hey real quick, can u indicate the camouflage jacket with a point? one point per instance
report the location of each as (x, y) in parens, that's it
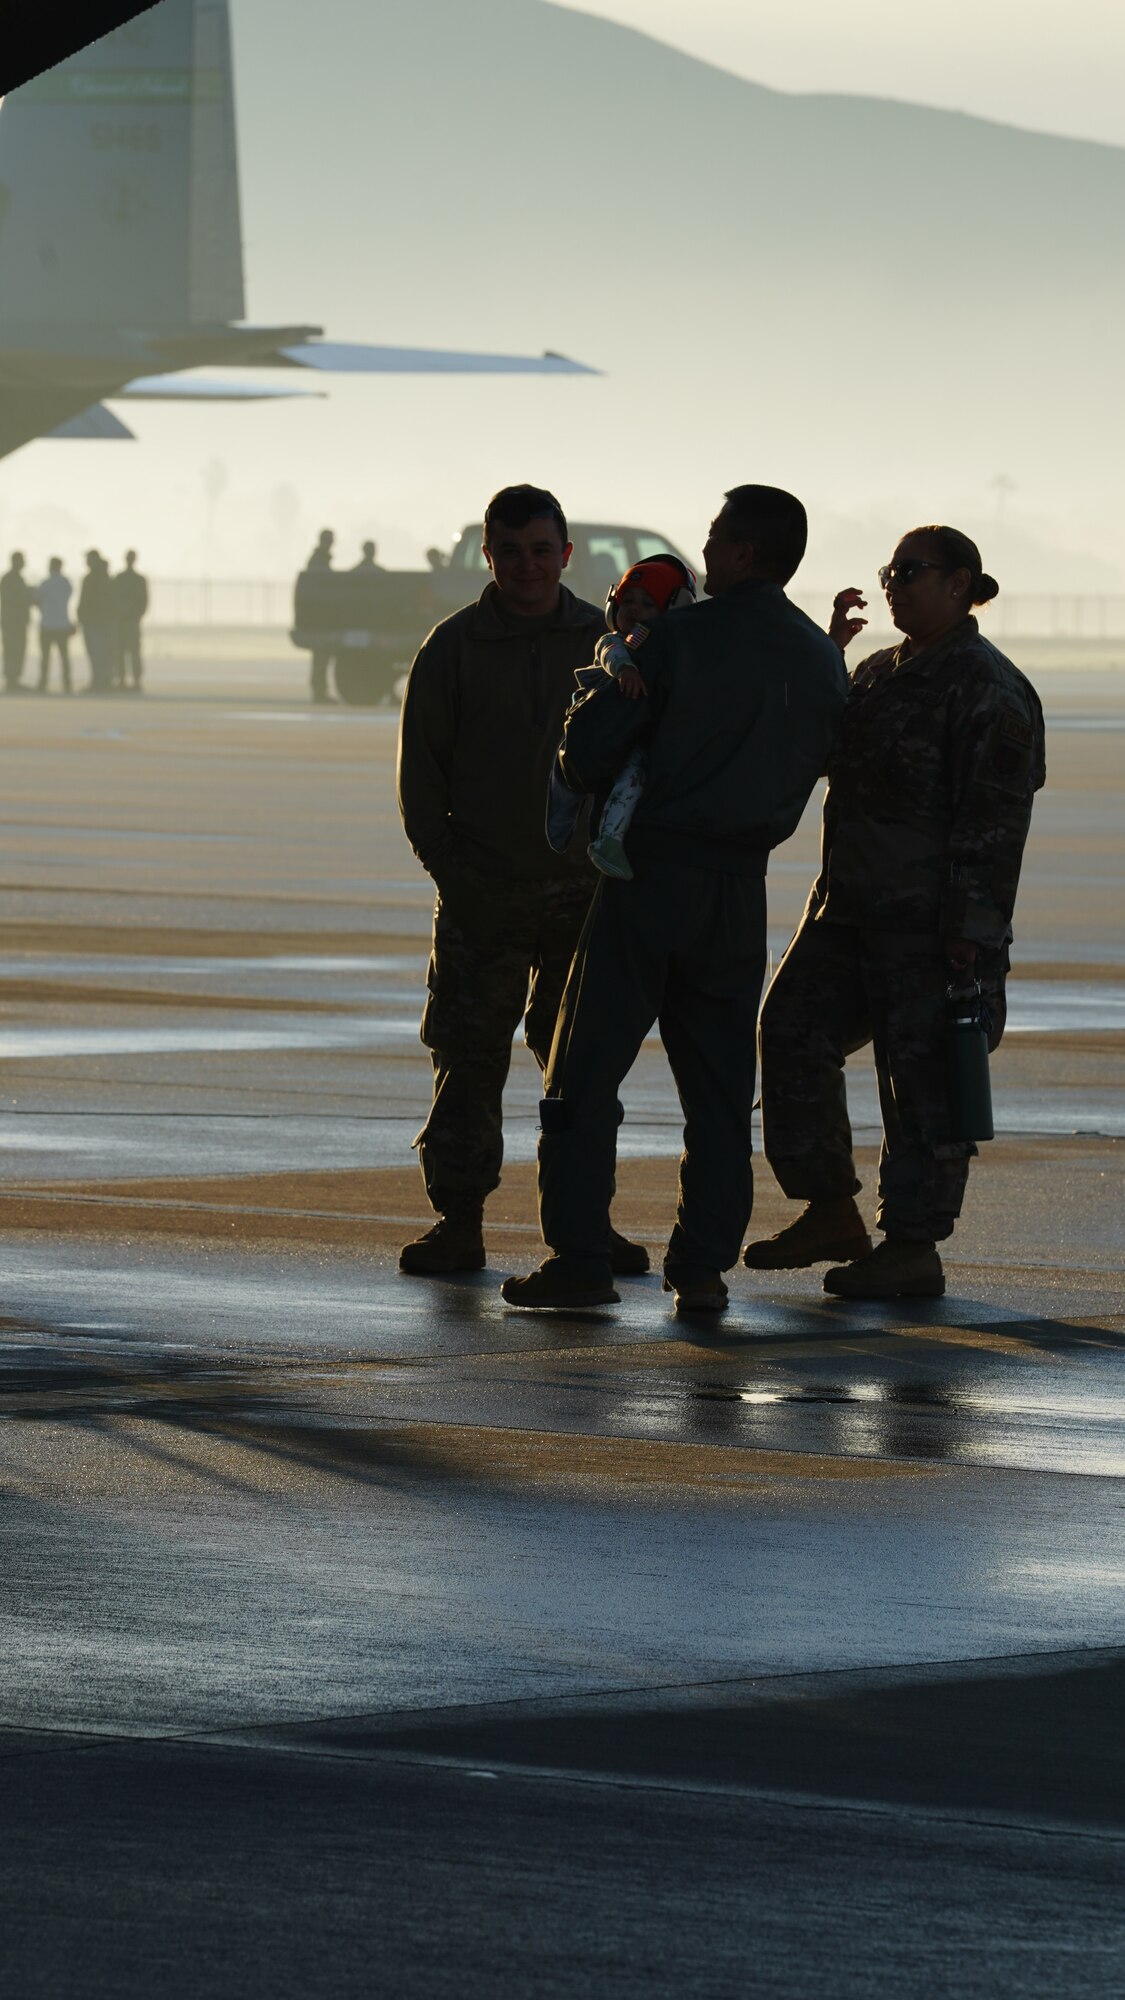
(481, 720)
(930, 788)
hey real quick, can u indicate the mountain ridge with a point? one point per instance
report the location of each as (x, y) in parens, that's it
(847, 96)
(879, 305)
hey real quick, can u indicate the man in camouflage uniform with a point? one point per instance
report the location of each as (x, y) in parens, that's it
(927, 812)
(481, 722)
(322, 656)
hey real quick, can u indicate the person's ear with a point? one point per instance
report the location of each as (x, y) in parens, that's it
(960, 583)
(567, 553)
(746, 557)
(486, 553)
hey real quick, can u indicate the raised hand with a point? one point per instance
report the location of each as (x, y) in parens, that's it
(843, 625)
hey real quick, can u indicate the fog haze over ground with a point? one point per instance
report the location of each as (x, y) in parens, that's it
(903, 313)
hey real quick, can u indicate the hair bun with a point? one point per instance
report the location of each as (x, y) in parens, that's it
(986, 590)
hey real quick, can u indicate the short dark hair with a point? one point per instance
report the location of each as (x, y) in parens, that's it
(775, 522)
(959, 551)
(515, 506)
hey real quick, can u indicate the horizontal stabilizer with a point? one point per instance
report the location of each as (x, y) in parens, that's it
(346, 358)
(96, 422)
(182, 389)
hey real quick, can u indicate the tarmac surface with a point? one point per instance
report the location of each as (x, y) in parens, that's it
(362, 1635)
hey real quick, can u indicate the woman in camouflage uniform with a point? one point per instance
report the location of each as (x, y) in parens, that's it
(927, 811)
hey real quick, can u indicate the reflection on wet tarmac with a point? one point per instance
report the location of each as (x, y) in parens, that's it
(1034, 1006)
(1057, 1006)
(74, 968)
(361, 1346)
(371, 1032)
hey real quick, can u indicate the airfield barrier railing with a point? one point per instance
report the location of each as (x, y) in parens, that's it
(180, 600)
(268, 601)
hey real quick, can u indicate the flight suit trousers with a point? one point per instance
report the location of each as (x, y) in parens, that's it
(98, 640)
(13, 644)
(501, 953)
(129, 654)
(684, 947)
(318, 674)
(54, 642)
(838, 988)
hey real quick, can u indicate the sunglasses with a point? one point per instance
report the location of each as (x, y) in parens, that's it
(906, 571)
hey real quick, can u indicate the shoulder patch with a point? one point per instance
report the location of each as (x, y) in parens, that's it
(1016, 728)
(636, 637)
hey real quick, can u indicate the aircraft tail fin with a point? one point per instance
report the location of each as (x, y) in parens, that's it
(119, 180)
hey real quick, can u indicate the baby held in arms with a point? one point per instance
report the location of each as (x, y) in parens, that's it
(651, 587)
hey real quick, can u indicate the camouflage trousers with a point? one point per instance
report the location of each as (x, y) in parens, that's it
(501, 953)
(837, 989)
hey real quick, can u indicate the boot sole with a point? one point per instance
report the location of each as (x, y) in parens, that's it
(703, 1301)
(576, 1303)
(441, 1270)
(933, 1289)
(839, 1253)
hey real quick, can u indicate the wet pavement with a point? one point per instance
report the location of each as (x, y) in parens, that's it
(587, 1653)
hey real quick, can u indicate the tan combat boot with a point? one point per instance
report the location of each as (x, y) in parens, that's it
(894, 1270)
(455, 1243)
(827, 1232)
(696, 1291)
(627, 1260)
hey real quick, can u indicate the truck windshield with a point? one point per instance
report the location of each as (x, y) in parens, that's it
(467, 552)
(655, 545)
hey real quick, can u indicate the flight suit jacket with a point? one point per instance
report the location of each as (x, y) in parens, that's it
(744, 695)
(95, 598)
(129, 596)
(930, 789)
(16, 600)
(481, 720)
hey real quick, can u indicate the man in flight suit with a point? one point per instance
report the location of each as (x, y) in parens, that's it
(16, 600)
(95, 616)
(481, 722)
(130, 602)
(743, 696)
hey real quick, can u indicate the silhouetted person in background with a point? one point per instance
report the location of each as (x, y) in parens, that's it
(367, 565)
(130, 602)
(55, 628)
(322, 658)
(95, 616)
(16, 600)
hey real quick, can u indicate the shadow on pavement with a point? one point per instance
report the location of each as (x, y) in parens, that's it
(1040, 1742)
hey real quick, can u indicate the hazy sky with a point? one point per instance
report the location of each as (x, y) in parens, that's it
(1055, 68)
(334, 234)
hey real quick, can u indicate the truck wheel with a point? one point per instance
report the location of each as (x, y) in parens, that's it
(365, 679)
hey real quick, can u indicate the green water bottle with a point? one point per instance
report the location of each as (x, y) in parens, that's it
(970, 1091)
